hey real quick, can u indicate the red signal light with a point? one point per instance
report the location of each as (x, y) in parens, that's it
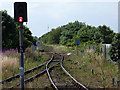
(20, 19)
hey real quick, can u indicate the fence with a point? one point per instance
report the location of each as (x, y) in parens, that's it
(103, 49)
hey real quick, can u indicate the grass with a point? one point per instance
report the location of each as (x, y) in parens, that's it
(10, 66)
(40, 82)
(10, 62)
(61, 48)
(78, 66)
(81, 67)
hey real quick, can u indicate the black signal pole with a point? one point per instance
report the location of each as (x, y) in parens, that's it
(20, 15)
(21, 56)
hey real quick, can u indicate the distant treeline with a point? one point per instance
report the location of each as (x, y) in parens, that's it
(10, 33)
(67, 34)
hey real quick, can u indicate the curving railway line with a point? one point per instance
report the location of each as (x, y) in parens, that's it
(76, 84)
(49, 68)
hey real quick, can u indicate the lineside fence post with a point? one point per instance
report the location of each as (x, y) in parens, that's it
(77, 50)
(105, 54)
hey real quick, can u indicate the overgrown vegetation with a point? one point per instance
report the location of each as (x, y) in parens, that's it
(86, 34)
(63, 35)
(79, 66)
(67, 34)
(115, 48)
(10, 66)
(91, 69)
(10, 61)
(10, 33)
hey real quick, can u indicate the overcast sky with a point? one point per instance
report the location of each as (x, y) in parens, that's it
(43, 15)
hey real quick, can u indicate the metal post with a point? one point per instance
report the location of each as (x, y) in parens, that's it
(105, 52)
(89, 47)
(38, 50)
(118, 83)
(101, 50)
(77, 50)
(113, 80)
(32, 50)
(1, 49)
(92, 71)
(21, 57)
(83, 53)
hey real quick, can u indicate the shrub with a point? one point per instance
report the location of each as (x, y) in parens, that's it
(115, 48)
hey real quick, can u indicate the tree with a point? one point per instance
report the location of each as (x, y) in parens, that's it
(35, 39)
(83, 34)
(66, 34)
(27, 37)
(106, 34)
(115, 48)
(10, 33)
(54, 37)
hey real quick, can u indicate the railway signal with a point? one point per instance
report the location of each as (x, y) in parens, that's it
(20, 10)
(20, 19)
(20, 15)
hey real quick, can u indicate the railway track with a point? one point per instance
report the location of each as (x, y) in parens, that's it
(76, 84)
(15, 79)
(33, 77)
(25, 73)
(48, 67)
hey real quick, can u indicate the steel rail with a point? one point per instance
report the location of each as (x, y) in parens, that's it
(35, 76)
(26, 72)
(49, 73)
(70, 75)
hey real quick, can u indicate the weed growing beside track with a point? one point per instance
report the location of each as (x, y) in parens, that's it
(10, 62)
(89, 68)
(92, 70)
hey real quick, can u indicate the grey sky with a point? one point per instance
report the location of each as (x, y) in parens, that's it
(54, 14)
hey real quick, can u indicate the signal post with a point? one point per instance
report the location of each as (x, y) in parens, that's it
(20, 15)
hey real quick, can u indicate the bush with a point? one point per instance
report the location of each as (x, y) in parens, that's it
(115, 48)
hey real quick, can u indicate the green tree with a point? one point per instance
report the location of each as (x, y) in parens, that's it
(27, 37)
(66, 34)
(35, 39)
(55, 36)
(106, 34)
(10, 33)
(115, 48)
